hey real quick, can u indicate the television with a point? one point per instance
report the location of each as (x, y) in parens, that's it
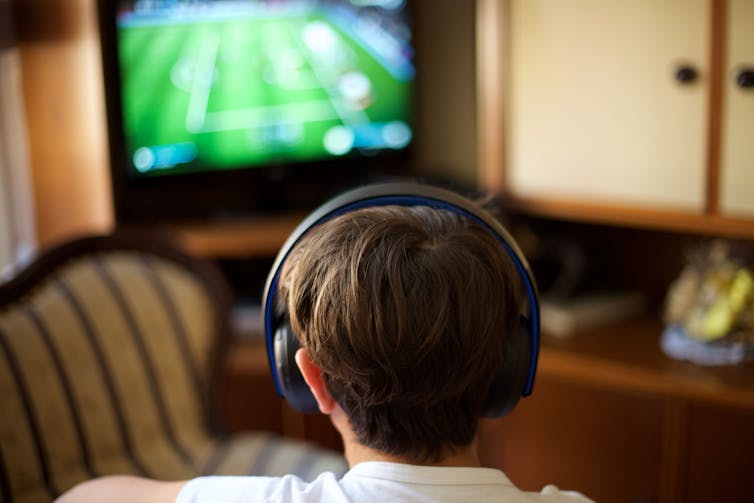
(225, 107)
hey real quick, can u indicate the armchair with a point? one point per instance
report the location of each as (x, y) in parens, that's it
(110, 348)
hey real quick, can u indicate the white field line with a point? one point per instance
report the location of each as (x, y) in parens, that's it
(203, 75)
(244, 118)
(347, 115)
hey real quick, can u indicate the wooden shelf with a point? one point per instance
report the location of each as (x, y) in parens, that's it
(252, 237)
(628, 357)
(635, 217)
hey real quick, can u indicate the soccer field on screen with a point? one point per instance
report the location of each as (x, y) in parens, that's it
(218, 94)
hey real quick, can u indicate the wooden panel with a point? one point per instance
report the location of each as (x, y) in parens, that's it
(604, 444)
(445, 135)
(319, 430)
(720, 454)
(62, 85)
(737, 173)
(250, 401)
(594, 112)
(251, 237)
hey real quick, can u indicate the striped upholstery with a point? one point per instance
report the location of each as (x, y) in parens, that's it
(105, 367)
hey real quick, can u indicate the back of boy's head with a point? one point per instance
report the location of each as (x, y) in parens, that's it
(405, 311)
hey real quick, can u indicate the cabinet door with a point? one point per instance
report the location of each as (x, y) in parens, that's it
(595, 113)
(605, 444)
(720, 454)
(737, 162)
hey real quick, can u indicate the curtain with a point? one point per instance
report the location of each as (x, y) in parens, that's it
(17, 232)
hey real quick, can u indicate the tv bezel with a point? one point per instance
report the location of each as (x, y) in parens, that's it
(226, 193)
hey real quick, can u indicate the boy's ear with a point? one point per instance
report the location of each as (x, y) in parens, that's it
(313, 378)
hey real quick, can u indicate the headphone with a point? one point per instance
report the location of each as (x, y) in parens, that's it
(513, 379)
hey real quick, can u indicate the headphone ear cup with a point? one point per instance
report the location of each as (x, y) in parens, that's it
(510, 381)
(295, 389)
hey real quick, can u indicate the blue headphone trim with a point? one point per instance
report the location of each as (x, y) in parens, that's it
(408, 201)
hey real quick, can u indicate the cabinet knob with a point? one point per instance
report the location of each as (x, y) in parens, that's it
(686, 74)
(745, 78)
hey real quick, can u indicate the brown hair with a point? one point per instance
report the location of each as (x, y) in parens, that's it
(405, 311)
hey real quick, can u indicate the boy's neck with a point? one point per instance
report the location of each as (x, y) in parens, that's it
(356, 452)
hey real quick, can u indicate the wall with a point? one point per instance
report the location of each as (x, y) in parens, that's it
(446, 121)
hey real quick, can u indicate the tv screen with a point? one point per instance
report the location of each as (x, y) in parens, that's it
(205, 86)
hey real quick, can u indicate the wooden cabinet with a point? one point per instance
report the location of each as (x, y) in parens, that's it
(249, 400)
(720, 454)
(636, 114)
(593, 109)
(622, 112)
(612, 417)
(603, 443)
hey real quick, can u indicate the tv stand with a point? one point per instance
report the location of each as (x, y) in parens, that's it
(253, 236)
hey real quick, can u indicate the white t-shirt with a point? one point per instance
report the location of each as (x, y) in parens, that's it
(373, 481)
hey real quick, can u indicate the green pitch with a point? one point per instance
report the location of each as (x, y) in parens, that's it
(250, 91)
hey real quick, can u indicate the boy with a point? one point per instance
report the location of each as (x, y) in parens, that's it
(403, 315)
